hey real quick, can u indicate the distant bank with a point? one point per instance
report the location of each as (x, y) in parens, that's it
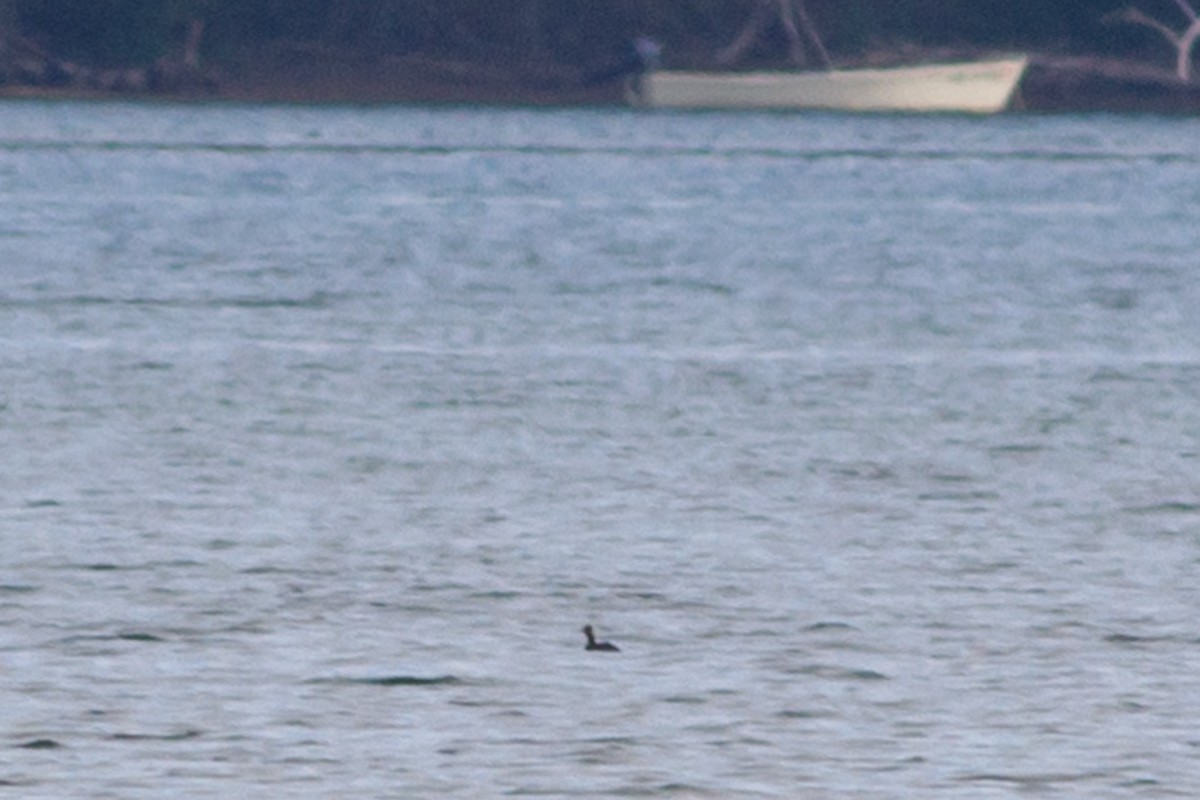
(1051, 84)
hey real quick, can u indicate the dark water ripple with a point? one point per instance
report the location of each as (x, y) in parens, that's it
(394, 680)
(889, 154)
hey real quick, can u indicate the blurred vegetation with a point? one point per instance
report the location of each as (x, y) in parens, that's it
(569, 32)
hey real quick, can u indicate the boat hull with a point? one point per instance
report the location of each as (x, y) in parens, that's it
(979, 87)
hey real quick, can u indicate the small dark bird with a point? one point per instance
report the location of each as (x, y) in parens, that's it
(592, 644)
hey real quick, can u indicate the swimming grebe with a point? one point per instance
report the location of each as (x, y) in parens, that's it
(592, 644)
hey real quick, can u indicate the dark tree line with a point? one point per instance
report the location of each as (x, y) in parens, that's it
(120, 33)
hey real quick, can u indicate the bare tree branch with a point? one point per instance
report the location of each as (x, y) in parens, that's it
(787, 16)
(191, 47)
(814, 37)
(1134, 16)
(1187, 10)
(797, 26)
(749, 32)
(1183, 59)
(1183, 42)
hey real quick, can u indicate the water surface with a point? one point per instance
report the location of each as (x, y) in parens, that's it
(871, 440)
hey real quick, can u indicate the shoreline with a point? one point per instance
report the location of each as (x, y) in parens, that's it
(1052, 84)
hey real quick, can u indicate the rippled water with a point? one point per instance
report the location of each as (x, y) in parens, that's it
(872, 441)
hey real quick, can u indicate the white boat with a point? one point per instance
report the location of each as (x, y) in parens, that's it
(978, 87)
